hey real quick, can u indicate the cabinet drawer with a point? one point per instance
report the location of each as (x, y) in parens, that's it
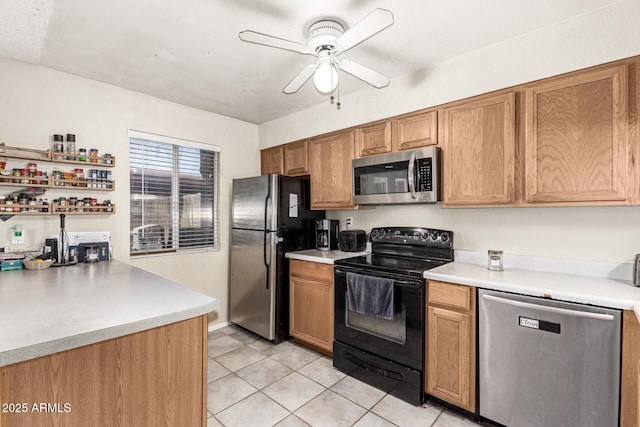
(458, 296)
(314, 270)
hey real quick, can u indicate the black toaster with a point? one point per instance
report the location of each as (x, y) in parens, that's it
(353, 240)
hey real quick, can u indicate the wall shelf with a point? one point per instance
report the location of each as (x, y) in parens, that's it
(24, 153)
(8, 181)
(39, 210)
(81, 184)
(53, 209)
(83, 210)
(106, 162)
(23, 183)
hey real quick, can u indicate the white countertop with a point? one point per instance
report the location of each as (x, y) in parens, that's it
(606, 292)
(324, 257)
(47, 311)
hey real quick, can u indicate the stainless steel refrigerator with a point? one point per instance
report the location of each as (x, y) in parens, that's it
(270, 216)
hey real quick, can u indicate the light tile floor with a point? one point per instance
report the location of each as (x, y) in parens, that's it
(253, 383)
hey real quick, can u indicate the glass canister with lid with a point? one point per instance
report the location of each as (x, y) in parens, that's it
(494, 260)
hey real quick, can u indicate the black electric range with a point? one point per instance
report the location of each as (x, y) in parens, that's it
(406, 251)
(388, 353)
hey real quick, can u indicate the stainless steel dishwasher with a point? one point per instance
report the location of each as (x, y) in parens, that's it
(548, 363)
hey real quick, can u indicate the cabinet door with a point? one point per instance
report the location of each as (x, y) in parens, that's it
(576, 138)
(450, 371)
(416, 130)
(296, 158)
(311, 311)
(479, 151)
(331, 173)
(630, 378)
(271, 160)
(373, 139)
(449, 365)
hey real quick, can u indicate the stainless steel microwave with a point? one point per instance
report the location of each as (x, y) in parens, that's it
(411, 176)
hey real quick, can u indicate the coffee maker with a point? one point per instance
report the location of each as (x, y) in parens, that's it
(327, 231)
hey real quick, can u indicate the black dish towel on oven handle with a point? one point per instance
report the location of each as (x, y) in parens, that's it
(370, 296)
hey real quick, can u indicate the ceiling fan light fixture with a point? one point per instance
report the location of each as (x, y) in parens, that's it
(327, 39)
(325, 78)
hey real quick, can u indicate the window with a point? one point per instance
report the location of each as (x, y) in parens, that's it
(174, 194)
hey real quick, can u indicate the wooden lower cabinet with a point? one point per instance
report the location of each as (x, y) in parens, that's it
(630, 387)
(311, 307)
(151, 378)
(450, 371)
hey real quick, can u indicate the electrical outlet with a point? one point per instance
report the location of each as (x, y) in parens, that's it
(349, 222)
(17, 240)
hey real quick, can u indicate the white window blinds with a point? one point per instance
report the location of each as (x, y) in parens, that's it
(173, 186)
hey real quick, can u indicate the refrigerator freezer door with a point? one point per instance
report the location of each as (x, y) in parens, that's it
(252, 291)
(254, 204)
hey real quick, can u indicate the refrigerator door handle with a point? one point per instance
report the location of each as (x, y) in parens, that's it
(267, 248)
(267, 264)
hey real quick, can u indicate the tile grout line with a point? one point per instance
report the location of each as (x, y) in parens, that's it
(270, 357)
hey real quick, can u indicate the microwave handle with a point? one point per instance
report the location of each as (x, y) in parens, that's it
(411, 175)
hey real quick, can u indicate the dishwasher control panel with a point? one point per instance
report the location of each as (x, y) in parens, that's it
(527, 322)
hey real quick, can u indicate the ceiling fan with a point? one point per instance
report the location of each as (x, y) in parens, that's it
(327, 39)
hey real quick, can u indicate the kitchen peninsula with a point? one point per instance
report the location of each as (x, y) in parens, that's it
(101, 344)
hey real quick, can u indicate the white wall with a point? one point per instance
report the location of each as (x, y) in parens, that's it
(593, 38)
(37, 102)
(604, 233)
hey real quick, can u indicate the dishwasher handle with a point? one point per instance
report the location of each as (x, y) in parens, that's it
(549, 309)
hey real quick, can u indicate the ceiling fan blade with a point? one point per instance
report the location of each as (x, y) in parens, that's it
(271, 41)
(370, 25)
(363, 73)
(300, 79)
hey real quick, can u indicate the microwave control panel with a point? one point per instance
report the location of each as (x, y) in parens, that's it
(425, 169)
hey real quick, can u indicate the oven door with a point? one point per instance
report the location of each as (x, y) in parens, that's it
(399, 339)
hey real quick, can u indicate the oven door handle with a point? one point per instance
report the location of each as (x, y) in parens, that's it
(396, 282)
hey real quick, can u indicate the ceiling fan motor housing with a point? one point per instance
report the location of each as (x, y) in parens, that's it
(323, 35)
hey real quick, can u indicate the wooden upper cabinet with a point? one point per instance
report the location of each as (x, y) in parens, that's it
(296, 158)
(479, 151)
(271, 160)
(330, 169)
(576, 138)
(373, 139)
(415, 130)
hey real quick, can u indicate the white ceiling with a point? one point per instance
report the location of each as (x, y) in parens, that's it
(189, 51)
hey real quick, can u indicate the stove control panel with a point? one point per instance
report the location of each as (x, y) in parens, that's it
(412, 236)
